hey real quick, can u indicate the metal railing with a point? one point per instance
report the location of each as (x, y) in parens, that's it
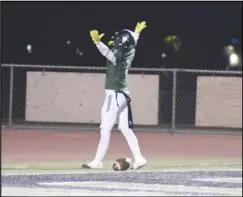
(186, 98)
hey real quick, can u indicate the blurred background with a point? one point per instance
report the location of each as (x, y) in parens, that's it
(58, 32)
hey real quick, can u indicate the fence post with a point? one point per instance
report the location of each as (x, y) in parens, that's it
(10, 110)
(173, 118)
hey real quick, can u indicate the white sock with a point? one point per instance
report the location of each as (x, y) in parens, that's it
(132, 143)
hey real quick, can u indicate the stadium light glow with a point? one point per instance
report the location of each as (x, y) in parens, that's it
(234, 59)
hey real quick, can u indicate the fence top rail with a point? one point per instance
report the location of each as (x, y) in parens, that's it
(132, 69)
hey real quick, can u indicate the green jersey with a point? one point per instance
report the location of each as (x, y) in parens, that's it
(117, 75)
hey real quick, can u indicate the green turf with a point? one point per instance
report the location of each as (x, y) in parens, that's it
(153, 164)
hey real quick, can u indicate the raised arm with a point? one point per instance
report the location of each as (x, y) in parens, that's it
(136, 33)
(104, 50)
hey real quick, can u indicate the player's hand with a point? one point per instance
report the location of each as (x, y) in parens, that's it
(96, 37)
(111, 43)
(140, 26)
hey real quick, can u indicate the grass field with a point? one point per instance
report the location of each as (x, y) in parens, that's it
(153, 164)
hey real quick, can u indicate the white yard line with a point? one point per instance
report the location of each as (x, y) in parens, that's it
(172, 189)
(7, 191)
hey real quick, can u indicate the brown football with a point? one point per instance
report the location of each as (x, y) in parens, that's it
(121, 164)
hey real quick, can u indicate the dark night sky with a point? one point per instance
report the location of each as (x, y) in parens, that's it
(204, 28)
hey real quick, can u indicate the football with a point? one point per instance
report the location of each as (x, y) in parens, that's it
(121, 164)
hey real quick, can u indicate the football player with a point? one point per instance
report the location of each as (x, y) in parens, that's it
(117, 101)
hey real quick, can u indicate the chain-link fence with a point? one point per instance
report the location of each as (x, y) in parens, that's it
(171, 100)
(208, 100)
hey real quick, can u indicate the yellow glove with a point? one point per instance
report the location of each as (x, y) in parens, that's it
(95, 36)
(140, 26)
(111, 42)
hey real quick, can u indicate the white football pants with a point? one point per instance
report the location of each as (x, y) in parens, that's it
(115, 109)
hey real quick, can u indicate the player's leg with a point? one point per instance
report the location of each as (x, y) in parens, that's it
(131, 139)
(109, 114)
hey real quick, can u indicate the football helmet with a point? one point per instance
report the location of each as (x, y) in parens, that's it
(124, 40)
